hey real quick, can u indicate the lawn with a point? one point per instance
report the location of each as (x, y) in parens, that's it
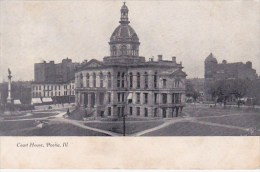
(131, 127)
(205, 112)
(6, 126)
(193, 129)
(246, 120)
(33, 115)
(53, 130)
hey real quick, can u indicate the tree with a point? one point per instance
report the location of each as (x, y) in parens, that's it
(190, 91)
(222, 90)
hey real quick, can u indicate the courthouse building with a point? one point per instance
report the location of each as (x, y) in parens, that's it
(124, 83)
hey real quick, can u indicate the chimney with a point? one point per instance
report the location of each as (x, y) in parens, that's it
(160, 58)
(174, 59)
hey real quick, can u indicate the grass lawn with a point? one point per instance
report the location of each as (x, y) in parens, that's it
(53, 130)
(246, 120)
(131, 127)
(34, 115)
(15, 125)
(193, 129)
(204, 112)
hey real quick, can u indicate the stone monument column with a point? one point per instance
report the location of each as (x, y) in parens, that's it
(9, 98)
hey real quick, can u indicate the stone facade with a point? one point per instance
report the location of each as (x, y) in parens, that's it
(125, 84)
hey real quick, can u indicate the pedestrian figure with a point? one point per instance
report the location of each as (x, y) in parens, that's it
(177, 110)
(68, 112)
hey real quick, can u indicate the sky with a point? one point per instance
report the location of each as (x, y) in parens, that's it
(32, 31)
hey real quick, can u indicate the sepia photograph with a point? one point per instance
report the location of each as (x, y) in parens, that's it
(130, 68)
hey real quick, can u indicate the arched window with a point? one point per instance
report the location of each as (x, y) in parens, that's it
(131, 80)
(133, 50)
(81, 80)
(123, 80)
(87, 80)
(109, 82)
(123, 50)
(155, 80)
(138, 80)
(94, 80)
(118, 79)
(101, 77)
(145, 80)
(113, 51)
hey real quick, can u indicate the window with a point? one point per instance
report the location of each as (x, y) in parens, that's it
(118, 80)
(87, 80)
(138, 111)
(81, 81)
(131, 110)
(101, 98)
(123, 80)
(118, 97)
(101, 79)
(138, 80)
(40, 94)
(145, 112)
(145, 98)
(109, 111)
(113, 51)
(109, 83)
(164, 97)
(137, 98)
(155, 80)
(155, 112)
(94, 80)
(155, 98)
(177, 83)
(118, 111)
(123, 97)
(145, 80)
(40, 87)
(131, 80)
(123, 50)
(109, 97)
(164, 83)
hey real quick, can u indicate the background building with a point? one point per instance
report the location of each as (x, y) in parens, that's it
(55, 81)
(124, 83)
(224, 70)
(229, 81)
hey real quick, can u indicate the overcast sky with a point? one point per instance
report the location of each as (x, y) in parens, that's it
(32, 31)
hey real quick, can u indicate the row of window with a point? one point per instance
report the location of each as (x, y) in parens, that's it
(175, 98)
(38, 94)
(52, 87)
(123, 51)
(121, 80)
(121, 111)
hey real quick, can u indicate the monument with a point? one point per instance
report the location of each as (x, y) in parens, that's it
(9, 101)
(9, 97)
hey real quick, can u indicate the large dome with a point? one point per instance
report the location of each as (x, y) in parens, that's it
(124, 40)
(124, 33)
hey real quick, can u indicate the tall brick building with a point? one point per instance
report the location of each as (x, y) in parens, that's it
(224, 70)
(51, 72)
(125, 83)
